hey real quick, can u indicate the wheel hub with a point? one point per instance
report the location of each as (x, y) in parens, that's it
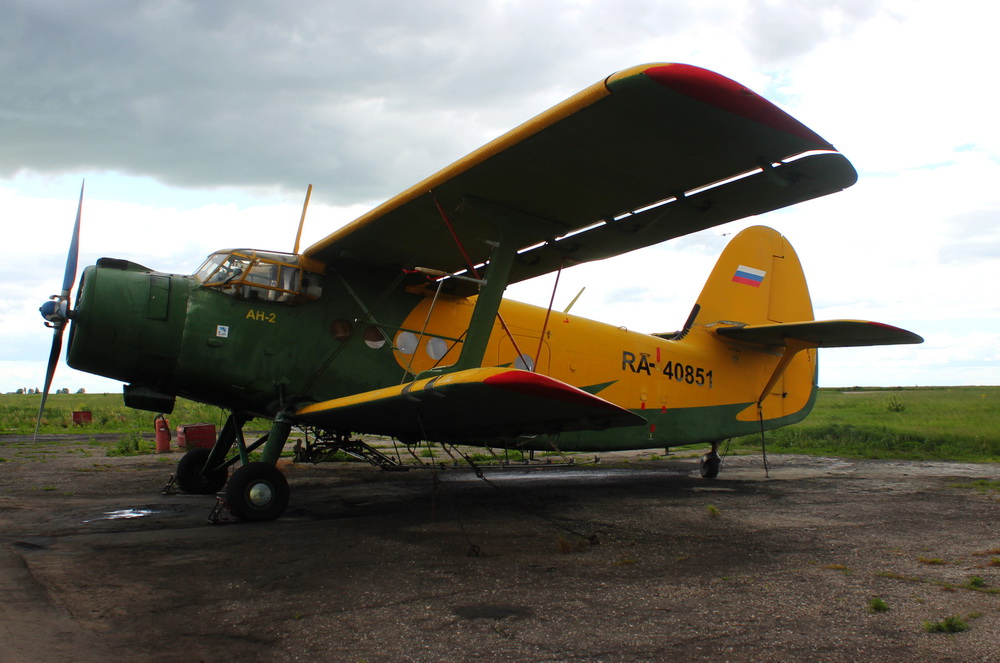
(260, 494)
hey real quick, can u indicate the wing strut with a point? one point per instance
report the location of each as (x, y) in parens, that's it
(487, 306)
(475, 274)
(509, 226)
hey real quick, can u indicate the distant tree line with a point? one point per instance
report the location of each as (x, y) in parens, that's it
(23, 390)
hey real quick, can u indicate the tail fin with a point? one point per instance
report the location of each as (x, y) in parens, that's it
(757, 299)
(757, 280)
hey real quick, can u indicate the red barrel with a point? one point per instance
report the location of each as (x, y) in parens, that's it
(191, 436)
(162, 428)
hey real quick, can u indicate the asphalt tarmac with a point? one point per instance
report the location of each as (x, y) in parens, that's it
(633, 559)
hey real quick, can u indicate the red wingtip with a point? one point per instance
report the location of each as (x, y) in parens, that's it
(542, 386)
(727, 94)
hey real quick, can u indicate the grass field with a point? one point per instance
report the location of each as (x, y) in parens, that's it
(939, 423)
(942, 423)
(108, 412)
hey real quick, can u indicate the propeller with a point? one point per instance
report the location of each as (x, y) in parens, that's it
(56, 311)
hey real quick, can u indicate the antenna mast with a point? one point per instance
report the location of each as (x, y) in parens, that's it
(302, 219)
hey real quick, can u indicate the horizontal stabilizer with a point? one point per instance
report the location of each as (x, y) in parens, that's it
(476, 404)
(822, 334)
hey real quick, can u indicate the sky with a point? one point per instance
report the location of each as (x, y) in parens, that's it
(198, 126)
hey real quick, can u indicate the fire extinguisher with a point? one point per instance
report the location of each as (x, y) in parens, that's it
(162, 427)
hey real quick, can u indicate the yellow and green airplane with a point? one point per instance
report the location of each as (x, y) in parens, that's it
(396, 324)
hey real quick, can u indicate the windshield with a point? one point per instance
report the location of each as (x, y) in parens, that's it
(249, 274)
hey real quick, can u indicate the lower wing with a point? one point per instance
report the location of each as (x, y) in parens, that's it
(475, 404)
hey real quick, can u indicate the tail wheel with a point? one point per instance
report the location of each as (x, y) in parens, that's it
(257, 491)
(710, 464)
(191, 478)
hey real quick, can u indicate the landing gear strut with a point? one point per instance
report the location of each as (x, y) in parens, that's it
(711, 462)
(259, 491)
(256, 491)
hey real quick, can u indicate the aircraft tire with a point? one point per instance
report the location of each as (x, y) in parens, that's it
(256, 492)
(189, 476)
(709, 465)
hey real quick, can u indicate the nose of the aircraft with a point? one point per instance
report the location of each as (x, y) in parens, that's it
(128, 322)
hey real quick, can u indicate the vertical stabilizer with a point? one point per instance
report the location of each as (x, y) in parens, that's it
(757, 280)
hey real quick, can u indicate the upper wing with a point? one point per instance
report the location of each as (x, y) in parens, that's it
(470, 405)
(650, 153)
(822, 334)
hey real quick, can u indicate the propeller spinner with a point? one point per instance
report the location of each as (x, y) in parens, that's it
(57, 312)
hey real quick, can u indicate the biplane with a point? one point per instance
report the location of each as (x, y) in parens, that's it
(396, 325)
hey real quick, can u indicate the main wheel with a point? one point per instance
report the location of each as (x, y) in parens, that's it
(189, 474)
(257, 491)
(709, 465)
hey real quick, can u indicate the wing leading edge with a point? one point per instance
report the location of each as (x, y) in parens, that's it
(648, 154)
(470, 405)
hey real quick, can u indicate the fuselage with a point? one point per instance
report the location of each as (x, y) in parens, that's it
(263, 351)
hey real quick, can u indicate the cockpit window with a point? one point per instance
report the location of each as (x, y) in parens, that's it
(260, 275)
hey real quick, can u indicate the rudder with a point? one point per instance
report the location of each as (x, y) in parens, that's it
(758, 279)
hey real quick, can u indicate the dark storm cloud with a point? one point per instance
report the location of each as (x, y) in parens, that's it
(357, 96)
(361, 99)
(209, 93)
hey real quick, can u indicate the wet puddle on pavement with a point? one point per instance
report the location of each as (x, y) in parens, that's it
(122, 514)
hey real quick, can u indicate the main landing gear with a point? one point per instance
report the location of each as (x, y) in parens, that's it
(193, 476)
(256, 491)
(711, 462)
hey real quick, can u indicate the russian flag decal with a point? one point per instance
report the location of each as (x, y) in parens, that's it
(749, 276)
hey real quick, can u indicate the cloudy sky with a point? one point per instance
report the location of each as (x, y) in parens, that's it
(198, 125)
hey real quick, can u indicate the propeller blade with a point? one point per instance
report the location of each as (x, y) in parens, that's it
(69, 278)
(49, 374)
(58, 313)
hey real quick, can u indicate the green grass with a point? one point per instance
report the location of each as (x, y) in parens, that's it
(877, 605)
(18, 412)
(950, 624)
(932, 423)
(131, 444)
(941, 423)
(981, 486)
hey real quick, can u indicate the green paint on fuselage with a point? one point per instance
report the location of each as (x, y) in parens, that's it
(675, 427)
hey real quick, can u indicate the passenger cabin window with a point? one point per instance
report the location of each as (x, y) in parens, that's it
(262, 276)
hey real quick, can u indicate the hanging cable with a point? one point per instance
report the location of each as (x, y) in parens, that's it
(514, 498)
(473, 549)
